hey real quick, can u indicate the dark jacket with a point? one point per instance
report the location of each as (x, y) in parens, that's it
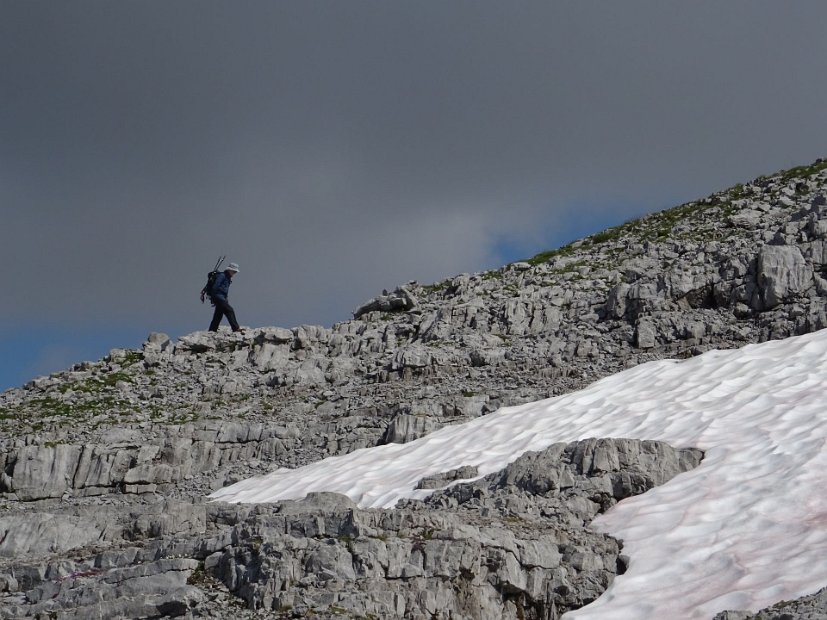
(221, 287)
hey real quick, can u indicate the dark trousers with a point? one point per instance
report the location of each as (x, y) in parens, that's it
(222, 309)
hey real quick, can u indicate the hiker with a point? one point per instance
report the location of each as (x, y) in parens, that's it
(218, 297)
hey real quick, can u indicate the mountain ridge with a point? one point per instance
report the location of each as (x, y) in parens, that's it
(178, 419)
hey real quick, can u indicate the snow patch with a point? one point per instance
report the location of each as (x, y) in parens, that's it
(745, 529)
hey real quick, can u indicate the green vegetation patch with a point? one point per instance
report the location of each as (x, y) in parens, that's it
(610, 234)
(544, 257)
(437, 287)
(95, 385)
(34, 411)
(493, 275)
(654, 227)
(737, 192)
(199, 576)
(804, 172)
(51, 407)
(131, 358)
(659, 226)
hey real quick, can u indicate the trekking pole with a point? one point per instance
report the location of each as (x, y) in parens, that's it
(218, 263)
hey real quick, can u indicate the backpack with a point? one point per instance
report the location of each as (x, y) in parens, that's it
(211, 276)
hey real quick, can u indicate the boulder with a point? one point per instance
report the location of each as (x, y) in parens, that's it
(39, 534)
(782, 273)
(645, 335)
(44, 471)
(399, 301)
(414, 356)
(157, 342)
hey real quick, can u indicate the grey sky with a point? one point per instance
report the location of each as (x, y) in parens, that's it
(337, 148)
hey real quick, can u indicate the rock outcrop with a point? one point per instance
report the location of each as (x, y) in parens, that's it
(813, 607)
(510, 545)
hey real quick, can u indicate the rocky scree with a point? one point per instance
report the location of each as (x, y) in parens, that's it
(741, 266)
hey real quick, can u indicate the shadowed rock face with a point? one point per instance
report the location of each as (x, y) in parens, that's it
(88, 447)
(510, 545)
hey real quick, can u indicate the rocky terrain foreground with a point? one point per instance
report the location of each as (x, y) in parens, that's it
(104, 468)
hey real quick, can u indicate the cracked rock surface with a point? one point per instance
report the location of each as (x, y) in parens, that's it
(510, 545)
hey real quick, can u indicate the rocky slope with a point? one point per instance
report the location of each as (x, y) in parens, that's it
(813, 607)
(174, 420)
(511, 545)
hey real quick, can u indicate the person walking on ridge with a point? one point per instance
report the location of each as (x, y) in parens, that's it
(218, 297)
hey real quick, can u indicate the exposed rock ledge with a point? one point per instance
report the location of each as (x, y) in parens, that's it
(511, 545)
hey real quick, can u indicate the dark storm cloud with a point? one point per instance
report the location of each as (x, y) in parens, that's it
(336, 148)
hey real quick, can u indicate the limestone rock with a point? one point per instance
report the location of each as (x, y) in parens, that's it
(782, 273)
(157, 341)
(406, 427)
(32, 535)
(812, 607)
(44, 471)
(645, 335)
(443, 479)
(400, 300)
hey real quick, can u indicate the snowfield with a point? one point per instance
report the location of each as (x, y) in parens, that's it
(744, 530)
